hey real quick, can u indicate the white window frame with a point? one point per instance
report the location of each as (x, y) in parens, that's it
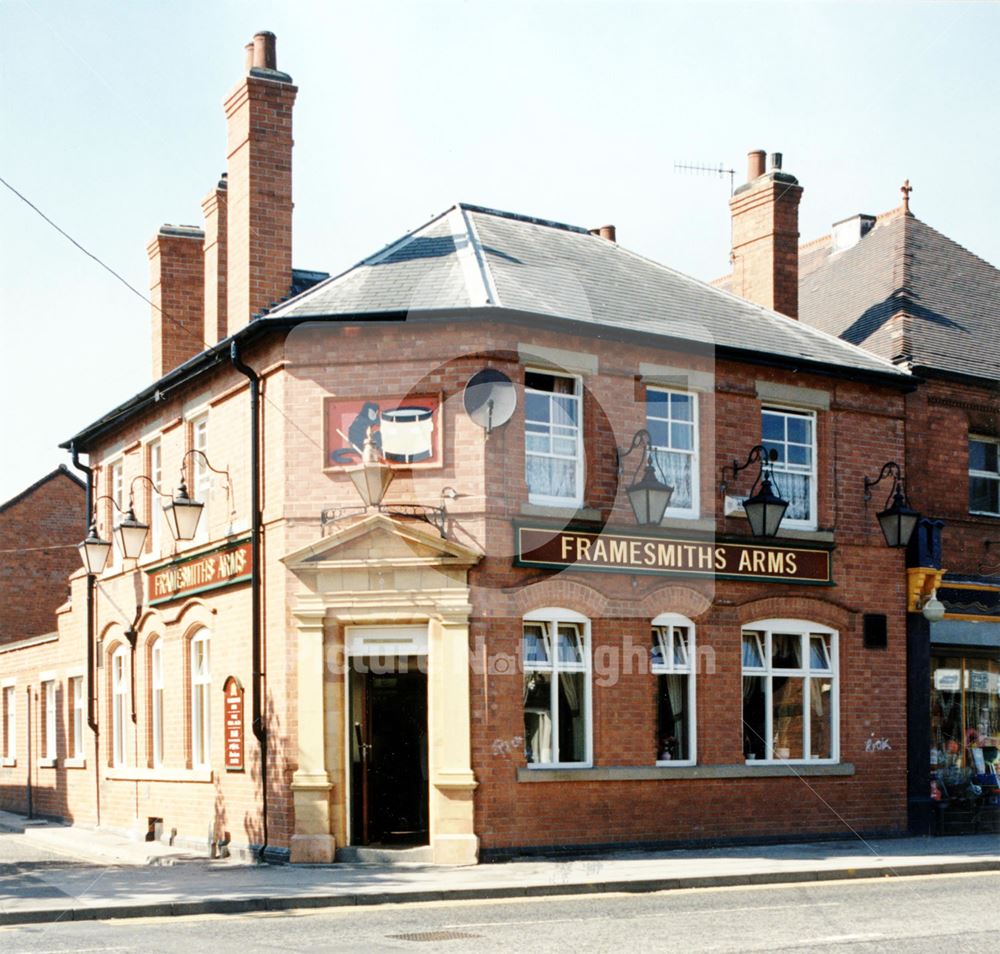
(804, 629)
(156, 701)
(201, 475)
(75, 686)
(577, 395)
(668, 622)
(120, 707)
(116, 491)
(780, 468)
(987, 474)
(48, 687)
(694, 511)
(552, 616)
(155, 505)
(9, 691)
(201, 699)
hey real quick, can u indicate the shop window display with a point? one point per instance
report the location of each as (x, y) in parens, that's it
(965, 741)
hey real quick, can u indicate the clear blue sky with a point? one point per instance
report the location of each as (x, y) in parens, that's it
(111, 121)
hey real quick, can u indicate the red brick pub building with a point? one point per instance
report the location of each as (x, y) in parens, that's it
(496, 656)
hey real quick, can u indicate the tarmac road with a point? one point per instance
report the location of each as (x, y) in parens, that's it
(954, 913)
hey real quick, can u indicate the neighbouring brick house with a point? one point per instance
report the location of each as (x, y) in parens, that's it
(39, 531)
(894, 285)
(494, 656)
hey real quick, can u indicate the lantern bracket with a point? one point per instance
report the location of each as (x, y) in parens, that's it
(890, 469)
(759, 454)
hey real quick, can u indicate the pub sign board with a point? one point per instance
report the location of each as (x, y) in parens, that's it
(406, 431)
(223, 566)
(623, 551)
(233, 690)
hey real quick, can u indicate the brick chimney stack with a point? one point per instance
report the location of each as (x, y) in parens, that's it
(259, 194)
(214, 206)
(765, 212)
(177, 290)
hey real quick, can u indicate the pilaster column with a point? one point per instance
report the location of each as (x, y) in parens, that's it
(312, 841)
(452, 822)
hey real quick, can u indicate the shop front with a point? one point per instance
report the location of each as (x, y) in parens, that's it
(965, 708)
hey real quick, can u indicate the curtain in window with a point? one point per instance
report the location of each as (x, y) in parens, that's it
(676, 687)
(675, 471)
(550, 477)
(795, 489)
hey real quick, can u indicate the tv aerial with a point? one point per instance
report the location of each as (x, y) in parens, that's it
(490, 398)
(704, 169)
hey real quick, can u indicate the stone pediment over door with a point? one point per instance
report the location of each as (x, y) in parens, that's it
(382, 559)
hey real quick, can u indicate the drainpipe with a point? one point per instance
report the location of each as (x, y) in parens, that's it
(27, 721)
(259, 726)
(91, 582)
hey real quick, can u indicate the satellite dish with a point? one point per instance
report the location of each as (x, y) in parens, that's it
(490, 398)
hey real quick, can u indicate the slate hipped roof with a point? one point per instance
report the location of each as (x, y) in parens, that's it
(470, 257)
(471, 260)
(909, 294)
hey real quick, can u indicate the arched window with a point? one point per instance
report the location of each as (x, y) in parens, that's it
(201, 691)
(120, 706)
(557, 708)
(790, 692)
(673, 667)
(156, 701)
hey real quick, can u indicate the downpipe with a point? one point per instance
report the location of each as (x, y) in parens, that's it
(257, 682)
(88, 472)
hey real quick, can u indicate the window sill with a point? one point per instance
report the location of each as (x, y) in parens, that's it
(820, 536)
(8, 763)
(47, 763)
(75, 763)
(568, 512)
(636, 773)
(687, 523)
(158, 775)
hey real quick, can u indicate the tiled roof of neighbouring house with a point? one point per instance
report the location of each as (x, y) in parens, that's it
(472, 257)
(909, 294)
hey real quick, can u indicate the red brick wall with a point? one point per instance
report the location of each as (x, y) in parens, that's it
(38, 537)
(863, 422)
(940, 417)
(766, 245)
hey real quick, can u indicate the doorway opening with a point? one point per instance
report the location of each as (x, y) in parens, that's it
(388, 748)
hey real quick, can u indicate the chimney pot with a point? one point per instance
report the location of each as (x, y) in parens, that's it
(249, 53)
(755, 164)
(265, 55)
(775, 161)
(605, 232)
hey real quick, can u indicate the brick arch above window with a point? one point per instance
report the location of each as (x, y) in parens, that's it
(798, 607)
(194, 615)
(578, 596)
(150, 624)
(111, 635)
(683, 600)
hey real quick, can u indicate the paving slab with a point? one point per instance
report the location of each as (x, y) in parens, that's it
(52, 872)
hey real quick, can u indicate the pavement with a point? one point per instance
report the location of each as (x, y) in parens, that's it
(52, 872)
